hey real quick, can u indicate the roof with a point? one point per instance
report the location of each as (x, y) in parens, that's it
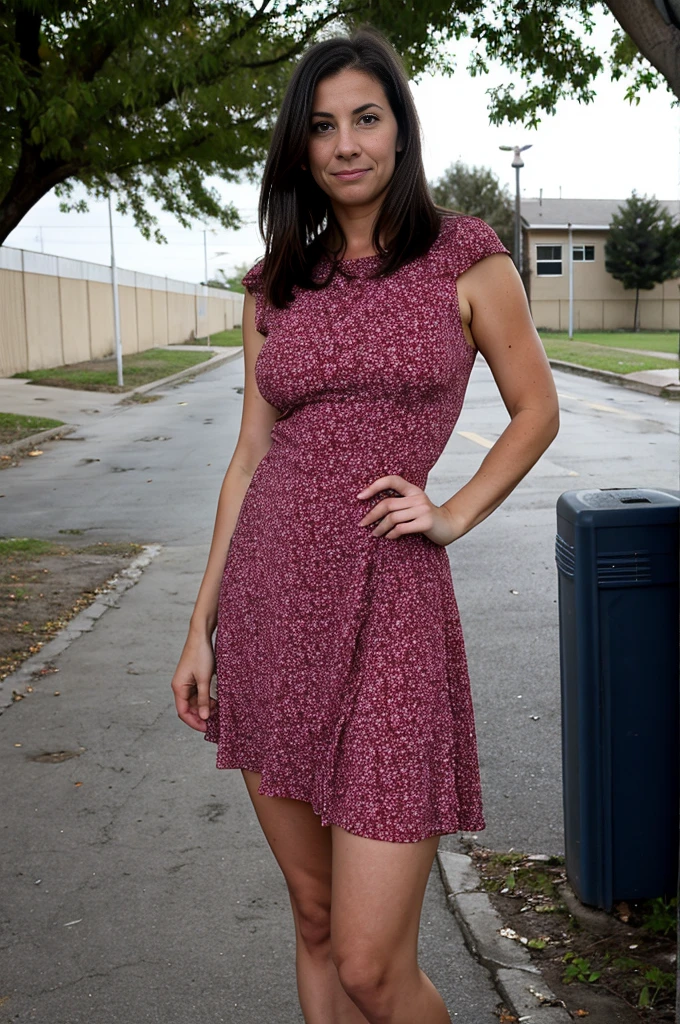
(591, 213)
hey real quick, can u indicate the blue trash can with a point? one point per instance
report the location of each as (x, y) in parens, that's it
(617, 559)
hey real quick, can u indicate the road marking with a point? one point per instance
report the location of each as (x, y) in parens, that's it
(603, 408)
(485, 443)
(477, 438)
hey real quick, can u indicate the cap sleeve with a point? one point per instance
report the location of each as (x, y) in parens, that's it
(466, 240)
(253, 283)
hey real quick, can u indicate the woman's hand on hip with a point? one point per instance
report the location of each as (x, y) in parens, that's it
(411, 513)
(191, 682)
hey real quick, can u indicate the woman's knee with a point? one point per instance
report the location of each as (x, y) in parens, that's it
(365, 977)
(312, 914)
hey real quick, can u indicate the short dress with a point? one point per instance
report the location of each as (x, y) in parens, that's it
(341, 669)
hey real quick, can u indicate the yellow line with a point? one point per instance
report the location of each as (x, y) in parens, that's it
(602, 408)
(477, 438)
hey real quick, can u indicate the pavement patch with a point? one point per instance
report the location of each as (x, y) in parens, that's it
(18, 684)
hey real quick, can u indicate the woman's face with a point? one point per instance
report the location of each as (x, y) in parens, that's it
(353, 138)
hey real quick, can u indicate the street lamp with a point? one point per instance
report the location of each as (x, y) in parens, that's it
(517, 162)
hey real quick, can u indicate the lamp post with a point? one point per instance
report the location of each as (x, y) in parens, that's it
(517, 163)
(116, 306)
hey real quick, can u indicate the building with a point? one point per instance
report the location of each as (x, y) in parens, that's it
(600, 302)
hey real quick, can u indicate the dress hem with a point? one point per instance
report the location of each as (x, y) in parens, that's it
(267, 789)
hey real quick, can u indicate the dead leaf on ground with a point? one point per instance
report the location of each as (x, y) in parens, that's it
(36, 451)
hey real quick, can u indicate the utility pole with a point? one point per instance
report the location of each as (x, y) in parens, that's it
(116, 306)
(517, 163)
(207, 294)
(571, 282)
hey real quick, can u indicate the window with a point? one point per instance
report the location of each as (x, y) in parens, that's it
(549, 260)
(584, 253)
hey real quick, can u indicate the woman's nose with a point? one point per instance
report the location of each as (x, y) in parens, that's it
(346, 143)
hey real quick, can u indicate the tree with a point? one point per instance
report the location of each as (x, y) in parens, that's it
(643, 247)
(148, 98)
(231, 282)
(477, 191)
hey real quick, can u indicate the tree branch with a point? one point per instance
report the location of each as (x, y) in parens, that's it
(657, 41)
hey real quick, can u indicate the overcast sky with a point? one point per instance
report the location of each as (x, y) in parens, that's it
(600, 151)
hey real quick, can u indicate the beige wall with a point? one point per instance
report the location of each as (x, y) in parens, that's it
(13, 342)
(65, 315)
(75, 327)
(159, 313)
(181, 317)
(43, 321)
(601, 303)
(100, 299)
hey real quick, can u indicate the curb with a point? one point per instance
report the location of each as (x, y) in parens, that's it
(518, 981)
(669, 391)
(191, 371)
(35, 439)
(81, 623)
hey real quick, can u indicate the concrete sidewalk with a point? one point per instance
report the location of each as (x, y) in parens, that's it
(76, 406)
(139, 886)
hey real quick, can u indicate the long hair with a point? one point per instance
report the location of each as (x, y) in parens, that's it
(296, 216)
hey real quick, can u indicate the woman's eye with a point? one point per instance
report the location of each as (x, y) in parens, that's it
(371, 118)
(321, 127)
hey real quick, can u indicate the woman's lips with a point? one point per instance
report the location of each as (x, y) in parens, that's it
(351, 175)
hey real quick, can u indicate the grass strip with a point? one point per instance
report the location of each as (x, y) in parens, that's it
(223, 338)
(14, 427)
(652, 341)
(598, 358)
(101, 374)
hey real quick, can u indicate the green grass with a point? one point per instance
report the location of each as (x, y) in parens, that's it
(14, 427)
(26, 547)
(599, 358)
(101, 375)
(653, 341)
(233, 337)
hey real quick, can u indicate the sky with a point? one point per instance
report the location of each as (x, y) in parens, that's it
(603, 150)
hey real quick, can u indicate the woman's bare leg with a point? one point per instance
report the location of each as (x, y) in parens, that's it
(377, 897)
(302, 848)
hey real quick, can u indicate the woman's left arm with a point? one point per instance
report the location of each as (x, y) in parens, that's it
(494, 303)
(495, 314)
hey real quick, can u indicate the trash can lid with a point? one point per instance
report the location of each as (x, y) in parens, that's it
(615, 500)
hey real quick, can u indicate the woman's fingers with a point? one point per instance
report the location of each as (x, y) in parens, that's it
(408, 520)
(392, 482)
(192, 699)
(385, 506)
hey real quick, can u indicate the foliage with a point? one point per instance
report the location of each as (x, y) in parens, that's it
(231, 282)
(149, 100)
(579, 969)
(661, 916)
(643, 246)
(477, 191)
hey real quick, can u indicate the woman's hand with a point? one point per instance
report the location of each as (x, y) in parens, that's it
(412, 513)
(191, 682)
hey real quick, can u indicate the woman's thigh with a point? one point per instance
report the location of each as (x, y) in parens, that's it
(303, 849)
(377, 897)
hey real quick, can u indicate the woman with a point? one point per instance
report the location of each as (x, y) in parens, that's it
(342, 686)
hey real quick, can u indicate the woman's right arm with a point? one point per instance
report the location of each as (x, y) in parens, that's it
(191, 681)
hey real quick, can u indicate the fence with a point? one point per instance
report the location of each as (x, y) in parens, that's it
(55, 310)
(607, 314)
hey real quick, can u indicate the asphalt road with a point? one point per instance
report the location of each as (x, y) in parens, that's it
(148, 893)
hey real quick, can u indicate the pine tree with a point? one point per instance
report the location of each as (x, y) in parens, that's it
(643, 247)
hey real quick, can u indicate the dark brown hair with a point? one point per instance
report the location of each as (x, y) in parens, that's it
(295, 214)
